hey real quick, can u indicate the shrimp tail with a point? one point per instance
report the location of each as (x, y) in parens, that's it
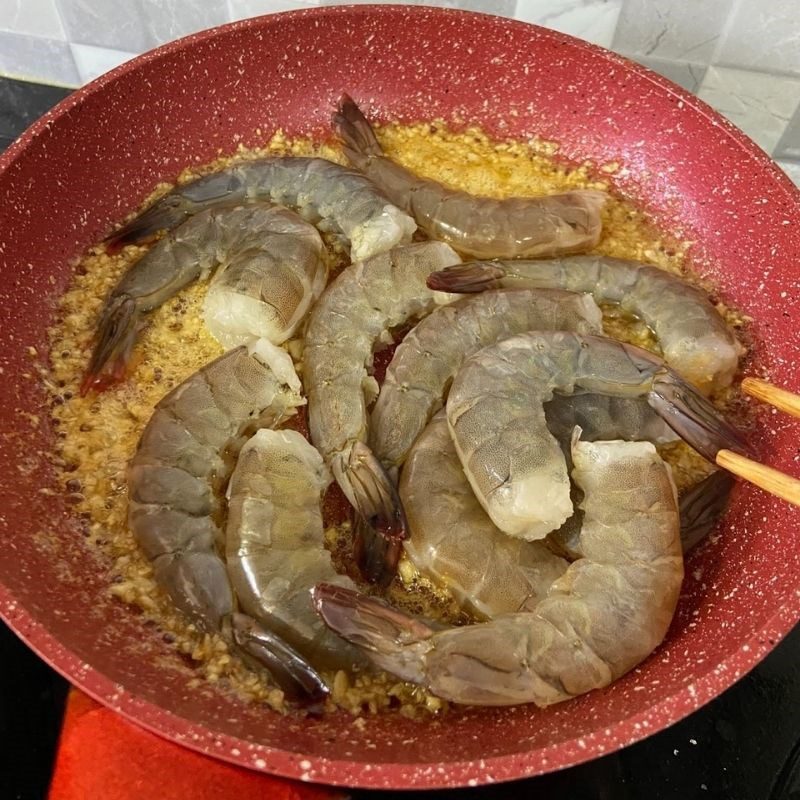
(468, 278)
(693, 417)
(116, 336)
(360, 142)
(394, 640)
(300, 682)
(380, 525)
(702, 506)
(165, 214)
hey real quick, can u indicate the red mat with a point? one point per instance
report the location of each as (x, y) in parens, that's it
(102, 755)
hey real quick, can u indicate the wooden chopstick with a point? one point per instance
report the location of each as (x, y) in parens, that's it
(767, 478)
(767, 393)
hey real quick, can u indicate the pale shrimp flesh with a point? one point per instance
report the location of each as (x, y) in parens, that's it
(605, 614)
(481, 227)
(431, 354)
(335, 198)
(176, 481)
(497, 419)
(275, 546)
(694, 338)
(355, 315)
(270, 267)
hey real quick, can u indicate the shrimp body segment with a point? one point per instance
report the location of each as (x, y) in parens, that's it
(176, 481)
(429, 357)
(270, 266)
(605, 614)
(275, 548)
(695, 340)
(481, 227)
(352, 318)
(330, 195)
(497, 419)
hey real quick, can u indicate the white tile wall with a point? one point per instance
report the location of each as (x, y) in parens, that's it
(742, 56)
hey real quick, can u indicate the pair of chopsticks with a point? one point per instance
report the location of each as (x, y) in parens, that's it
(767, 478)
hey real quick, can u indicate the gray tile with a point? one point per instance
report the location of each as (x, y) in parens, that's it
(789, 144)
(166, 20)
(763, 35)
(106, 23)
(760, 104)
(592, 20)
(241, 9)
(687, 75)
(792, 169)
(34, 17)
(671, 29)
(34, 58)
(93, 61)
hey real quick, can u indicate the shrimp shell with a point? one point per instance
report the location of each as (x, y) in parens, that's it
(275, 547)
(354, 315)
(481, 227)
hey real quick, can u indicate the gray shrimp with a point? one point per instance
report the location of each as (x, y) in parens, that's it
(270, 267)
(176, 481)
(694, 338)
(480, 227)
(606, 613)
(334, 197)
(275, 547)
(431, 354)
(355, 314)
(496, 416)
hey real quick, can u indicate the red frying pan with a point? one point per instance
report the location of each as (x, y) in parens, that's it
(98, 154)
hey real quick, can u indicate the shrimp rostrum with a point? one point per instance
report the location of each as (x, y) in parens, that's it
(607, 612)
(176, 481)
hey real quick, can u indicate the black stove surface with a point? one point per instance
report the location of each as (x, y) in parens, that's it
(745, 745)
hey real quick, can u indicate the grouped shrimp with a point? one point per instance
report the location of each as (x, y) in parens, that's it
(431, 355)
(334, 197)
(606, 612)
(227, 507)
(270, 266)
(353, 317)
(176, 481)
(475, 226)
(496, 416)
(696, 341)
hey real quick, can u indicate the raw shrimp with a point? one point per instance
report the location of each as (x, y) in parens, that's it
(496, 416)
(427, 360)
(336, 198)
(454, 543)
(605, 614)
(275, 548)
(272, 268)
(475, 226)
(695, 340)
(356, 313)
(175, 484)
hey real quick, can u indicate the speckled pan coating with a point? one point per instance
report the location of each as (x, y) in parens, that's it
(91, 160)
